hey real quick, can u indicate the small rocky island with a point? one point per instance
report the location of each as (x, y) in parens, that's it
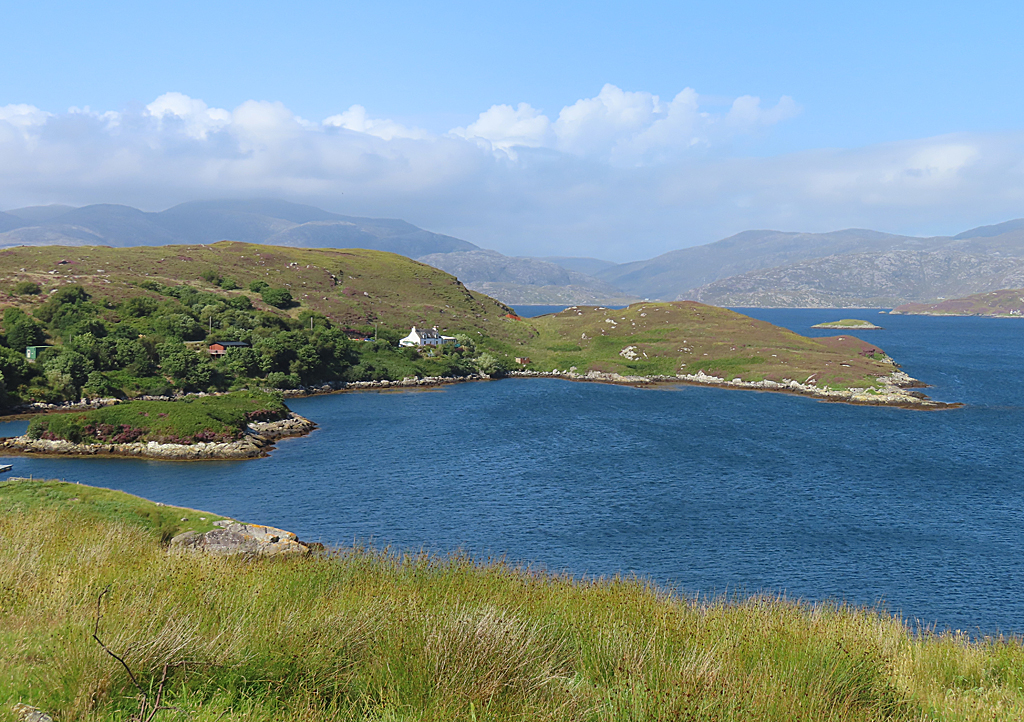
(848, 324)
(240, 425)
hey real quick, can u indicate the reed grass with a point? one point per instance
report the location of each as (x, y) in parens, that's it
(359, 634)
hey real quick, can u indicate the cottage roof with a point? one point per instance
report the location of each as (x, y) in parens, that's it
(229, 344)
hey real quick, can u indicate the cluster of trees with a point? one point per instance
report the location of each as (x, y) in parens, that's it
(156, 345)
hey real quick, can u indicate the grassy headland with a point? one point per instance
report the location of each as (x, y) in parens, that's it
(1007, 303)
(372, 636)
(686, 337)
(185, 421)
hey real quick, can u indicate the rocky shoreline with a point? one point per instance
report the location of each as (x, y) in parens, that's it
(894, 393)
(259, 436)
(258, 440)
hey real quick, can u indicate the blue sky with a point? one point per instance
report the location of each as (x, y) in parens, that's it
(860, 93)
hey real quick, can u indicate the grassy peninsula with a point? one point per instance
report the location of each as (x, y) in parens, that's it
(185, 421)
(1006, 303)
(365, 635)
(686, 337)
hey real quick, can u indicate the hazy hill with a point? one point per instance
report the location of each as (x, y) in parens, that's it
(7, 221)
(589, 266)
(280, 223)
(251, 221)
(868, 280)
(672, 274)
(525, 280)
(40, 214)
(995, 230)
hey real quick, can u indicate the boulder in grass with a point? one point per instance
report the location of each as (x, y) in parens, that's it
(235, 538)
(25, 713)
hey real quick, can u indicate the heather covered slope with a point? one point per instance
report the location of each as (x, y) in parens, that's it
(352, 287)
(687, 337)
(1006, 302)
(362, 635)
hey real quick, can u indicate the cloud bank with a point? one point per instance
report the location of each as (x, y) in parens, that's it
(621, 175)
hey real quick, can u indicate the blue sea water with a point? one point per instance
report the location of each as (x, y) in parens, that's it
(707, 490)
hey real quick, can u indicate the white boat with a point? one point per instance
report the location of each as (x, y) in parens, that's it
(4, 468)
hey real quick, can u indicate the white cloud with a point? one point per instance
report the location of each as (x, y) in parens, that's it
(622, 127)
(612, 176)
(504, 128)
(355, 119)
(22, 118)
(197, 119)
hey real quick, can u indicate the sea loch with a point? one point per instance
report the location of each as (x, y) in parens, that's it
(705, 489)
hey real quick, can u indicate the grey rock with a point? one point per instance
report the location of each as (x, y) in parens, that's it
(26, 713)
(235, 538)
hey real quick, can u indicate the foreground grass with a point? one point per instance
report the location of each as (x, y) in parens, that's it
(366, 635)
(184, 421)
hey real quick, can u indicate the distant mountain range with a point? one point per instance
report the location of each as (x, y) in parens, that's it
(256, 221)
(854, 267)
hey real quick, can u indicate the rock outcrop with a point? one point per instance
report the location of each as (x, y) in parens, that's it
(25, 713)
(258, 438)
(892, 393)
(235, 538)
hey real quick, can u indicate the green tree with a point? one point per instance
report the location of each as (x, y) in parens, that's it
(277, 297)
(487, 363)
(258, 286)
(138, 307)
(240, 303)
(187, 368)
(24, 333)
(67, 372)
(242, 362)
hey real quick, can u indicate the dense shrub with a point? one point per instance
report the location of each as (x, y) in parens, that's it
(277, 297)
(27, 288)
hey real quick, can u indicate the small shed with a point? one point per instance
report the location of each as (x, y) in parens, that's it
(32, 352)
(219, 348)
(522, 360)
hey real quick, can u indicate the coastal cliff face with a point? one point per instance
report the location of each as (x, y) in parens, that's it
(257, 441)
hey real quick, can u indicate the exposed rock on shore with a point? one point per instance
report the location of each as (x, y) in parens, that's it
(408, 382)
(235, 538)
(893, 393)
(258, 439)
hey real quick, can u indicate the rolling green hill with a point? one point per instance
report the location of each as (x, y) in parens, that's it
(118, 321)
(352, 287)
(686, 337)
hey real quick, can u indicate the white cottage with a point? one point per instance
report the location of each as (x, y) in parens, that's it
(425, 337)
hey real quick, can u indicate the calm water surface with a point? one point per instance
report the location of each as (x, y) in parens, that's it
(709, 490)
